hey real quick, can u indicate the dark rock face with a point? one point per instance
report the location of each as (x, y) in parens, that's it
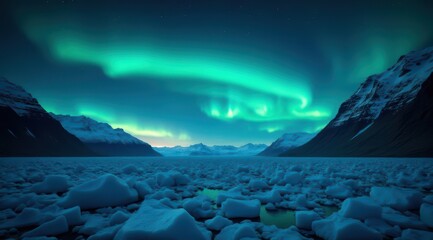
(119, 149)
(36, 135)
(390, 115)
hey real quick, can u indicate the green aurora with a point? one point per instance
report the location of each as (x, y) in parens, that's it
(240, 81)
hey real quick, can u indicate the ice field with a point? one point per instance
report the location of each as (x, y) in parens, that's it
(216, 198)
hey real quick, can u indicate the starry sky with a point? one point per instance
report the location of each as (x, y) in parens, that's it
(216, 72)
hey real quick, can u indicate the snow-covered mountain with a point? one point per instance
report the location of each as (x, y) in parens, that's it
(26, 129)
(103, 139)
(287, 141)
(20, 101)
(216, 150)
(391, 114)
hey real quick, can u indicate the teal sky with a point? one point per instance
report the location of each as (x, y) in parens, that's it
(221, 72)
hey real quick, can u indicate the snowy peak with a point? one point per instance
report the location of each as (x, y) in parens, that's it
(91, 131)
(388, 91)
(287, 141)
(216, 150)
(15, 97)
(390, 115)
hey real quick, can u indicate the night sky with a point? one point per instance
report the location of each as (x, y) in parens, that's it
(220, 72)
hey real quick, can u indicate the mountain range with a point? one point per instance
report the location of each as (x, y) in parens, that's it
(102, 139)
(287, 141)
(390, 115)
(26, 129)
(204, 150)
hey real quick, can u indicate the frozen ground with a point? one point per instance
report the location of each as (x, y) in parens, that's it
(216, 198)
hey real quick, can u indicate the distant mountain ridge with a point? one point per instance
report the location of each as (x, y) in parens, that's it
(287, 141)
(390, 115)
(217, 150)
(26, 129)
(103, 139)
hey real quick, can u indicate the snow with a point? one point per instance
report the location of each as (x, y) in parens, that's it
(54, 227)
(107, 190)
(400, 199)
(388, 91)
(52, 184)
(234, 208)
(218, 197)
(288, 141)
(91, 131)
(18, 99)
(156, 221)
(360, 208)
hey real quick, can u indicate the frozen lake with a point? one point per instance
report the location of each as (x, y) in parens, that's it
(260, 197)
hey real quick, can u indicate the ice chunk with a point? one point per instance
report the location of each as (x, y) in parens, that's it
(234, 193)
(292, 178)
(237, 232)
(399, 199)
(411, 234)
(338, 191)
(426, 214)
(94, 223)
(156, 221)
(163, 193)
(105, 191)
(360, 208)
(28, 217)
(143, 189)
(394, 217)
(72, 215)
(305, 218)
(428, 199)
(128, 169)
(118, 217)
(171, 178)
(339, 228)
(54, 227)
(234, 208)
(269, 197)
(382, 227)
(257, 184)
(106, 233)
(199, 207)
(51, 184)
(217, 223)
(290, 233)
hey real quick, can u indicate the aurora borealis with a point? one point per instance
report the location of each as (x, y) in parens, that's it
(220, 72)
